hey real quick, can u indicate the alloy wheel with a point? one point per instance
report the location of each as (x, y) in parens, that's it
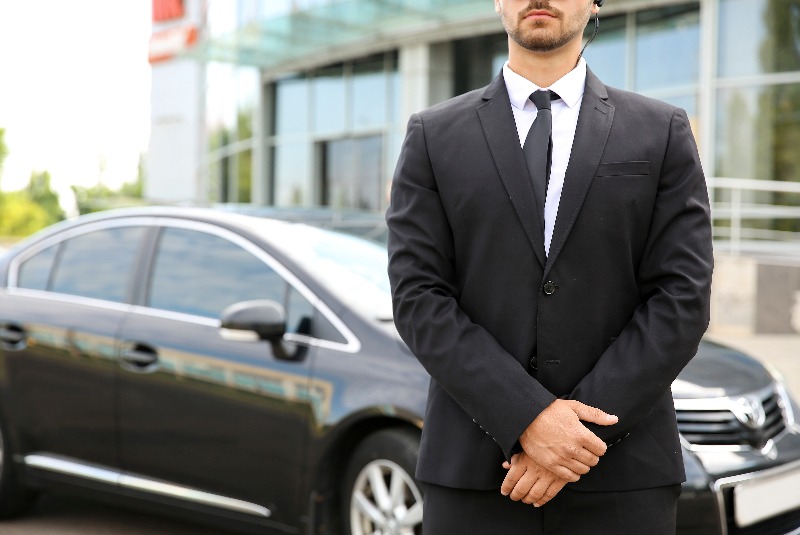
(385, 501)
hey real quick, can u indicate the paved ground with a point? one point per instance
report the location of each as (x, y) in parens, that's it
(66, 515)
(782, 351)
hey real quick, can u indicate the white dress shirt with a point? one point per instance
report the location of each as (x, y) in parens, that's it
(565, 120)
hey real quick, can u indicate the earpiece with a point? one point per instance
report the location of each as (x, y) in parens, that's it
(596, 27)
(599, 3)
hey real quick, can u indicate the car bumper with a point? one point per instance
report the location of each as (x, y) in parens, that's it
(745, 492)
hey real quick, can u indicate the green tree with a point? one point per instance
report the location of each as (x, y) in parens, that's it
(3, 149)
(40, 192)
(101, 197)
(21, 216)
(30, 209)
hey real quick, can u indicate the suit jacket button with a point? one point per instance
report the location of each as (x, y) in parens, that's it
(534, 363)
(550, 288)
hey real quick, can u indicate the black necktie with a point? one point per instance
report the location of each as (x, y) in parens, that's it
(538, 147)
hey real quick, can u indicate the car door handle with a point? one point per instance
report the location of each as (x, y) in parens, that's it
(12, 336)
(140, 357)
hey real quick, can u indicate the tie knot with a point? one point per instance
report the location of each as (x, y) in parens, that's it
(542, 99)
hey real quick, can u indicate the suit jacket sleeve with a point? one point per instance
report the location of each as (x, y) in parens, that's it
(674, 277)
(487, 382)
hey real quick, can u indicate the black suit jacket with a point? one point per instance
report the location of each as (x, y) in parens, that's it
(609, 318)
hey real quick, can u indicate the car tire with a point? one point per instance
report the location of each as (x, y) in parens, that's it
(14, 497)
(380, 493)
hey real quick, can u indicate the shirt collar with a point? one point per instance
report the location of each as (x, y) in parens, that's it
(569, 87)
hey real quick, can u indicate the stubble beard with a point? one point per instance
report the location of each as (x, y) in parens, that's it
(542, 40)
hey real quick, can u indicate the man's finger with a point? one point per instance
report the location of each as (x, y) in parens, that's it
(587, 458)
(551, 492)
(577, 467)
(562, 472)
(523, 486)
(515, 472)
(587, 413)
(537, 490)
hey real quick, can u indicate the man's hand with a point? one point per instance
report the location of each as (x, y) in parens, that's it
(526, 480)
(558, 442)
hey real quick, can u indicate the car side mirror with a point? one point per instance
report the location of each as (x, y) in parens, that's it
(260, 319)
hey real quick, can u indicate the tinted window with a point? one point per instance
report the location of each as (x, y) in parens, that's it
(353, 269)
(34, 273)
(303, 318)
(98, 264)
(202, 274)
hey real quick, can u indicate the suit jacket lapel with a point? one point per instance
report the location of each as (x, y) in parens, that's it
(500, 130)
(594, 124)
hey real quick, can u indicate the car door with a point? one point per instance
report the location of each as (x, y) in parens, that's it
(199, 412)
(59, 316)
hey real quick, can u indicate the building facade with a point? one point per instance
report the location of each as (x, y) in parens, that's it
(305, 102)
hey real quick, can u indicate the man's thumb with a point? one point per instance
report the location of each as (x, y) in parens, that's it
(588, 413)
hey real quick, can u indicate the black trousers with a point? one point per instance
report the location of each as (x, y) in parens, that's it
(451, 511)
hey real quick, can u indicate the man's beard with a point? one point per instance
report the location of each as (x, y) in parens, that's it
(545, 41)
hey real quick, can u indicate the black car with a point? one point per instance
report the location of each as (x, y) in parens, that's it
(246, 371)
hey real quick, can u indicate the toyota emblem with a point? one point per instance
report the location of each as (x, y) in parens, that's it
(750, 411)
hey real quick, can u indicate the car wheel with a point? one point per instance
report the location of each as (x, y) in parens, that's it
(381, 496)
(14, 498)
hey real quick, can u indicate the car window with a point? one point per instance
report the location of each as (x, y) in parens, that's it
(34, 273)
(303, 318)
(201, 274)
(98, 264)
(352, 268)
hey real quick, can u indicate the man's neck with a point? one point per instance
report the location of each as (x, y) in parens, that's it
(543, 68)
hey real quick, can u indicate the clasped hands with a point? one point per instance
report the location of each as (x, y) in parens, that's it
(557, 449)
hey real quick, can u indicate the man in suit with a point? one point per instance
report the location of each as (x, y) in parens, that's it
(552, 312)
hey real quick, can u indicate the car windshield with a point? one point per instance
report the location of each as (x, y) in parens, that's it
(352, 268)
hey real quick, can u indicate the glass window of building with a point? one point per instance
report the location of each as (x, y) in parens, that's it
(667, 48)
(607, 54)
(330, 131)
(351, 173)
(292, 106)
(231, 104)
(766, 40)
(653, 51)
(758, 132)
(329, 100)
(293, 179)
(478, 60)
(370, 94)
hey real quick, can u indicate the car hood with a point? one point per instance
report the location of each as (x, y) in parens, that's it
(719, 371)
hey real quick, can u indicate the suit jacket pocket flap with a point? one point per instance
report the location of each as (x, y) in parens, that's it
(623, 169)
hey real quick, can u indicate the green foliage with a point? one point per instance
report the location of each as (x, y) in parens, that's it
(40, 192)
(20, 215)
(3, 148)
(101, 197)
(30, 209)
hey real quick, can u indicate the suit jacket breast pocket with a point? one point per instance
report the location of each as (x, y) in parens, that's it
(619, 169)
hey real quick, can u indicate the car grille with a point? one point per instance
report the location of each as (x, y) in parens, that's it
(749, 420)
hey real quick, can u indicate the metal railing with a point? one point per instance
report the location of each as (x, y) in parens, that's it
(733, 216)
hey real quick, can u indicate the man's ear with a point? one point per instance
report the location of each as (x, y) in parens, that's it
(498, 6)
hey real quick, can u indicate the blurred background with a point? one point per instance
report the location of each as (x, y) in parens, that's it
(304, 103)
